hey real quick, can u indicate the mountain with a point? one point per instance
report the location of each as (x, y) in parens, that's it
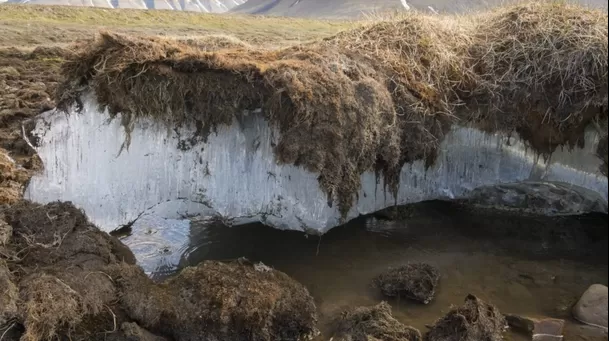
(355, 8)
(318, 8)
(206, 6)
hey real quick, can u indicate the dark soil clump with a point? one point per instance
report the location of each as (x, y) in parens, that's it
(373, 324)
(474, 321)
(222, 301)
(415, 281)
(56, 260)
(62, 278)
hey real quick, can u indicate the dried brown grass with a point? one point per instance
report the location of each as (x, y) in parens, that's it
(215, 42)
(373, 323)
(9, 294)
(476, 320)
(11, 179)
(55, 260)
(50, 305)
(220, 301)
(374, 97)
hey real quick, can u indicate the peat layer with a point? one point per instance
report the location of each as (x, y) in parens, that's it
(371, 98)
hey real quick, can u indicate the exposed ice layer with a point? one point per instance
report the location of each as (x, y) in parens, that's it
(235, 174)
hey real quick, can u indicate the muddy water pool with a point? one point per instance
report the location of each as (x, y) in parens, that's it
(527, 266)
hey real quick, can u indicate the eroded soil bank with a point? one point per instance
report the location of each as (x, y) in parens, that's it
(64, 279)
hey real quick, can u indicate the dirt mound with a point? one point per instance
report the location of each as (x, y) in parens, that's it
(375, 97)
(474, 321)
(56, 261)
(416, 281)
(62, 278)
(49, 52)
(373, 323)
(222, 301)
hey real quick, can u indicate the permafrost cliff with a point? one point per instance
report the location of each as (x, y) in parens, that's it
(494, 108)
(234, 174)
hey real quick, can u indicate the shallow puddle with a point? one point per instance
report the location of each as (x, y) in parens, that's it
(533, 267)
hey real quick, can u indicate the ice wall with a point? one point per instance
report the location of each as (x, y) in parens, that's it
(235, 176)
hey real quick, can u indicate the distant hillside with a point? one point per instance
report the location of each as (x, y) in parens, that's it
(355, 8)
(318, 8)
(206, 6)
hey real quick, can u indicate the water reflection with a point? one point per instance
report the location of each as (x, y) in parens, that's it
(532, 266)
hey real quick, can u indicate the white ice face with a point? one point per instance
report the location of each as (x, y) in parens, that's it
(234, 174)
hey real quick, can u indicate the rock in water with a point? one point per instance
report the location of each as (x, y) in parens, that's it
(221, 301)
(539, 329)
(592, 307)
(474, 321)
(371, 324)
(548, 330)
(416, 281)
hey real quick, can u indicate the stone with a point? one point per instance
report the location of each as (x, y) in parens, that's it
(592, 307)
(548, 330)
(540, 329)
(520, 323)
